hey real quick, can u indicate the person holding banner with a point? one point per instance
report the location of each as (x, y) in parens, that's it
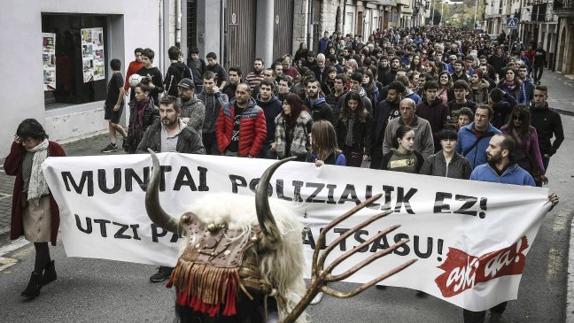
(447, 162)
(501, 168)
(324, 145)
(34, 212)
(403, 157)
(170, 134)
(292, 129)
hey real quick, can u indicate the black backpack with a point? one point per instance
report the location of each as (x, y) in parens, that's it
(176, 73)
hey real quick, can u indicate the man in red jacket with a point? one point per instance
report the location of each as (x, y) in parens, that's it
(240, 128)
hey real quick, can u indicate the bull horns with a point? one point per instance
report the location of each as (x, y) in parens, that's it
(152, 205)
(264, 215)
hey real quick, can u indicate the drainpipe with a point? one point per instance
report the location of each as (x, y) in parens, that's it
(178, 23)
(159, 57)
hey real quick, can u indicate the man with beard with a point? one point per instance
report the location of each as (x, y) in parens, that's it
(192, 109)
(170, 134)
(240, 128)
(271, 108)
(526, 82)
(459, 73)
(233, 78)
(473, 138)
(320, 109)
(390, 74)
(500, 168)
(548, 124)
(213, 100)
(385, 111)
(255, 76)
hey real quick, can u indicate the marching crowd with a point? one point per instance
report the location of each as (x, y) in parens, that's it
(429, 100)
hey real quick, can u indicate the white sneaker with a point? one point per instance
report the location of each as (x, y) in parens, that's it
(317, 299)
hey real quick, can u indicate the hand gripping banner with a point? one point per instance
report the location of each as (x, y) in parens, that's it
(470, 238)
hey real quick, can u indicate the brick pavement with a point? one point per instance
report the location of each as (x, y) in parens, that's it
(86, 147)
(561, 98)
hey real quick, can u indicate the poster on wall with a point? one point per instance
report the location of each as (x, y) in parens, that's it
(49, 60)
(93, 61)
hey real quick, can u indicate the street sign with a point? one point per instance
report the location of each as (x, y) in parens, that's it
(511, 23)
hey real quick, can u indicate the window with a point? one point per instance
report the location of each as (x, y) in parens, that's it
(71, 59)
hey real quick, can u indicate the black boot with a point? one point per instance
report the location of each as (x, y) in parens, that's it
(49, 273)
(34, 286)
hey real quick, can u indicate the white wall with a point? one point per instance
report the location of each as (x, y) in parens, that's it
(21, 61)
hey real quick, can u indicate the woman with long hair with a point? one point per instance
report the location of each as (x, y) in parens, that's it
(142, 114)
(512, 85)
(527, 152)
(445, 87)
(403, 157)
(34, 212)
(369, 83)
(416, 64)
(353, 129)
(292, 129)
(324, 148)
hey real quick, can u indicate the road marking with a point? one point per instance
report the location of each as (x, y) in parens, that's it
(554, 264)
(6, 262)
(560, 222)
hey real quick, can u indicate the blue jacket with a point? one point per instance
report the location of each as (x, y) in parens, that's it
(476, 154)
(514, 174)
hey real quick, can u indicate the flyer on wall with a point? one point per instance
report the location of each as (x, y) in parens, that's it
(93, 61)
(49, 60)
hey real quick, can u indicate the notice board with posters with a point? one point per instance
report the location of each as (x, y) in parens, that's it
(93, 61)
(49, 60)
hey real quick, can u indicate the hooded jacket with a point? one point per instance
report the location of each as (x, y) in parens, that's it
(194, 109)
(271, 109)
(475, 153)
(252, 129)
(548, 124)
(320, 110)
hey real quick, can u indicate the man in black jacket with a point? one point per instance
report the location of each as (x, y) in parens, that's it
(176, 72)
(548, 124)
(170, 134)
(152, 76)
(320, 109)
(384, 111)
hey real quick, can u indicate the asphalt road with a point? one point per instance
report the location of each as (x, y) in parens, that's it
(89, 290)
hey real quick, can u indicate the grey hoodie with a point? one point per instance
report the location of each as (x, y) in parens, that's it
(194, 109)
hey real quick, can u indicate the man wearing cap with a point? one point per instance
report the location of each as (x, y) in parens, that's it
(192, 108)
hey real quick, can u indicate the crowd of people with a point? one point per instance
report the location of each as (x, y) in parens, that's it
(429, 100)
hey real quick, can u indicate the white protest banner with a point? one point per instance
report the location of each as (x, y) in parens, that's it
(470, 238)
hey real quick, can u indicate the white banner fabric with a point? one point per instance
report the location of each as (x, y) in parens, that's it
(470, 238)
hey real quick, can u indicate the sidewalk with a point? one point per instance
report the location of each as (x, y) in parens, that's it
(85, 147)
(560, 92)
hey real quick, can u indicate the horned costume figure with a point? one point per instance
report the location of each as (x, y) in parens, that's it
(237, 254)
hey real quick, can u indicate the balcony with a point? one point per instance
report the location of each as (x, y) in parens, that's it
(564, 8)
(538, 13)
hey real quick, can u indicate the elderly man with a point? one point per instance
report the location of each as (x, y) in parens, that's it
(424, 142)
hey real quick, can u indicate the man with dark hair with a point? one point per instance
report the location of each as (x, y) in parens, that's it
(233, 78)
(218, 70)
(133, 67)
(473, 139)
(320, 109)
(502, 104)
(271, 108)
(385, 111)
(433, 110)
(334, 98)
(169, 134)
(500, 168)
(461, 89)
(526, 83)
(409, 93)
(284, 86)
(192, 109)
(548, 124)
(356, 87)
(176, 72)
(151, 74)
(459, 73)
(197, 66)
(255, 76)
(538, 63)
(114, 105)
(240, 128)
(214, 100)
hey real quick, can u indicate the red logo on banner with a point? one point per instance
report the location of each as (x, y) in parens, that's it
(463, 271)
